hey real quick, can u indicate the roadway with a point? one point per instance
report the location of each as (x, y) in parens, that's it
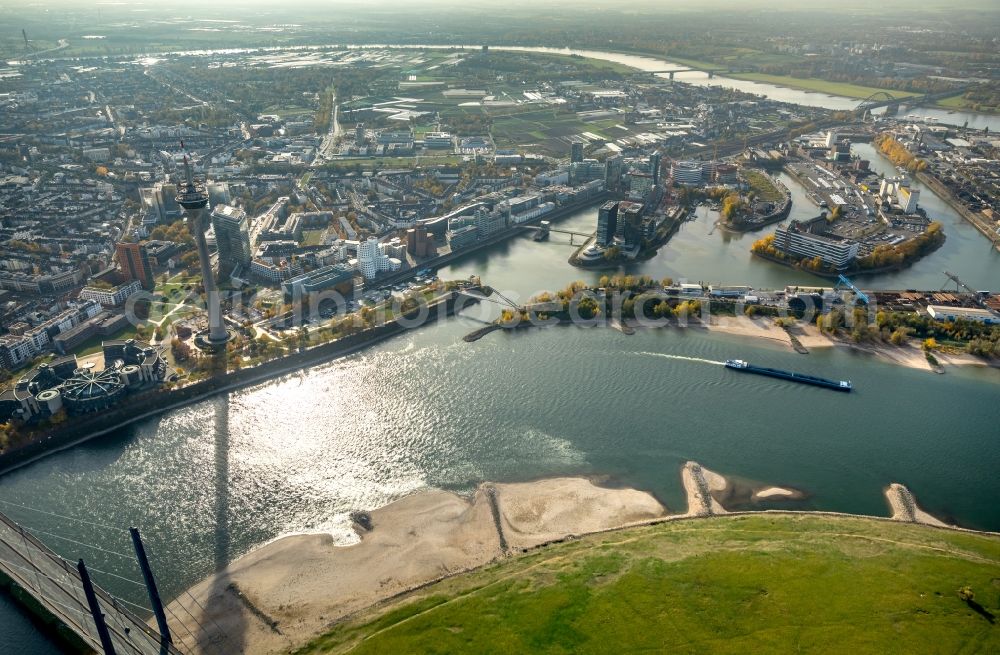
(332, 136)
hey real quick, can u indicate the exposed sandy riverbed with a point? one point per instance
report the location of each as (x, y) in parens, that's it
(303, 583)
(809, 336)
(288, 591)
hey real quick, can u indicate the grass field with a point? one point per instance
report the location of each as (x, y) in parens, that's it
(762, 185)
(819, 86)
(588, 62)
(543, 126)
(747, 584)
(960, 102)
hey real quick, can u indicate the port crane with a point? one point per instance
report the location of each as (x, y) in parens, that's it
(844, 283)
(959, 285)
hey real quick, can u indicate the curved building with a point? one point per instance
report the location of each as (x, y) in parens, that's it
(686, 172)
(92, 391)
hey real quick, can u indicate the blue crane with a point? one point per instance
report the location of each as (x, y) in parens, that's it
(844, 283)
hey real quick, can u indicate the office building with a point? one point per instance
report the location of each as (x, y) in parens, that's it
(133, 261)
(218, 193)
(576, 152)
(232, 237)
(160, 202)
(338, 277)
(489, 222)
(463, 237)
(639, 186)
(613, 167)
(654, 167)
(686, 172)
(419, 242)
(372, 259)
(629, 226)
(587, 170)
(114, 297)
(607, 223)
(798, 240)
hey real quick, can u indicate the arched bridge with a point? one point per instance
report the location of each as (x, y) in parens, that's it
(886, 99)
(878, 99)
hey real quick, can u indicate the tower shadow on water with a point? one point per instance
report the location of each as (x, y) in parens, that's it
(234, 628)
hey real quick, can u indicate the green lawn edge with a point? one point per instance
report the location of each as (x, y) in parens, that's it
(767, 583)
(819, 86)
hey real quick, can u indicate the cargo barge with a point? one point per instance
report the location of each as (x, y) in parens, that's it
(746, 367)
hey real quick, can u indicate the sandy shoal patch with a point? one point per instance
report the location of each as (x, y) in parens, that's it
(744, 326)
(538, 512)
(699, 483)
(290, 590)
(770, 493)
(904, 507)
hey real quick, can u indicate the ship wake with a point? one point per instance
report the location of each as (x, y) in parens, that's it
(683, 358)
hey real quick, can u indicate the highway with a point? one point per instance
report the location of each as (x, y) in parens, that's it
(332, 136)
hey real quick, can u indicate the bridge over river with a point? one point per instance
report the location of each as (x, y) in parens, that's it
(64, 592)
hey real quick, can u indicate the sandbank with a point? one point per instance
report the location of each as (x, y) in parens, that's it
(289, 591)
(904, 507)
(771, 493)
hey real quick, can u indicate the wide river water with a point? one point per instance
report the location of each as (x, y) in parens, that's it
(214, 480)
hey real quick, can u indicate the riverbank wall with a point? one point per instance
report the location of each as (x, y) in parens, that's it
(776, 216)
(977, 220)
(452, 257)
(79, 429)
(667, 229)
(851, 271)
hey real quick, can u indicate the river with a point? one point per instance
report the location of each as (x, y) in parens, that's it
(771, 91)
(210, 482)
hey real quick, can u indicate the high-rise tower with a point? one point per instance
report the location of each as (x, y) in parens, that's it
(133, 260)
(193, 198)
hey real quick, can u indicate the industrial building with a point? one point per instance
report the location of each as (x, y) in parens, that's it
(972, 314)
(439, 140)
